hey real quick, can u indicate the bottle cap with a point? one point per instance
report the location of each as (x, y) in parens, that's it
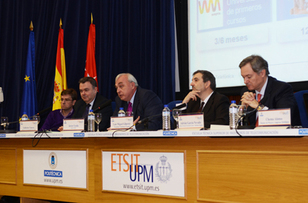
(121, 108)
(165, 105)
(91, 110)
(233, 102)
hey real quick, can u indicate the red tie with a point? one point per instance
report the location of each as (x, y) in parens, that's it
(258, 99)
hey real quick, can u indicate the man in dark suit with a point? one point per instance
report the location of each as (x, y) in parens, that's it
(265, 92)
(90, 99)
(204, 98)
(143, 103)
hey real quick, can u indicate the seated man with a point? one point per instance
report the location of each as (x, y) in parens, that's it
(90, 99)
(143, 103)
(265, 92)
(54, 120)
(204, 98)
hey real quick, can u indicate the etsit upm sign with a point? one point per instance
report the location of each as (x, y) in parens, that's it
(158, 173)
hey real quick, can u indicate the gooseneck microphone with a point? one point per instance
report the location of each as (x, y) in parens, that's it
(105, 104)
(145, 120)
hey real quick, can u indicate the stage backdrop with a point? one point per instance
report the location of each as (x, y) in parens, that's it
(135, 36)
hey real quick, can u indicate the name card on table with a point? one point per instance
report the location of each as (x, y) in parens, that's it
(28, 125)
(73, 124)
(121, 122)
(278, 117)
(191, 121)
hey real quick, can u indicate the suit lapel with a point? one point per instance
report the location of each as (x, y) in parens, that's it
(209, 103)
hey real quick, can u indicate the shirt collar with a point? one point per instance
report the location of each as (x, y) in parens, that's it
(262, 89)
(207, 99)
(132, 99)
(70, 113)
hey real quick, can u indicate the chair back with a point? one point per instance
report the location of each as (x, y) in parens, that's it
(302, 106)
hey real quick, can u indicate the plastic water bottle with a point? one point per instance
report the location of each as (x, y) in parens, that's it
(233, 116)
(91, 121)
(166, 118)
(121, 112)
(24, 117)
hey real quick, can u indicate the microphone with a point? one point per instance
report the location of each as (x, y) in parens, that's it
(180, 106)
(43, 111)
(107, 103)
(145, 120)
(1, 95)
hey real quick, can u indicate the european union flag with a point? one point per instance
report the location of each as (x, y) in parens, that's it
(29, 99)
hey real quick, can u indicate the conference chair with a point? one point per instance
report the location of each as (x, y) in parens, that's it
(302, 106)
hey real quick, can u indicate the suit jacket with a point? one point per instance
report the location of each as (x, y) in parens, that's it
(80, 107)
(216, 110)
(277, 95)
(146, 104)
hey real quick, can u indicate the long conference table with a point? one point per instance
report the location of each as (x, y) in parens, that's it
(266, 165)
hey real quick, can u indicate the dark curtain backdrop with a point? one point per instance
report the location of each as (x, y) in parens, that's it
(135, 36)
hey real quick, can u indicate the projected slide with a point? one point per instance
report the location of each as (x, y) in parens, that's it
(223, 32)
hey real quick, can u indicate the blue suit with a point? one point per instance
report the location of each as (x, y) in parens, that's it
(146, 103)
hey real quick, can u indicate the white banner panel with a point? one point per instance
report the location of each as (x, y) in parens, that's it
(65, 168)
(158, 173)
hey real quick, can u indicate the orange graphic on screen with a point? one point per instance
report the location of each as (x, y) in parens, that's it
(208, 6)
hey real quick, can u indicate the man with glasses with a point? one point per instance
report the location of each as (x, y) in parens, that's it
(54, 120)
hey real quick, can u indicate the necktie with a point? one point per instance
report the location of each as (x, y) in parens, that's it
(201, 107)
(129, 109)
(86, 112)
(258, 99)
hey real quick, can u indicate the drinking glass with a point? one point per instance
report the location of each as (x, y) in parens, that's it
(98, 119)
(242, 109)
(37, 118)
(4, 122)
(175, 114)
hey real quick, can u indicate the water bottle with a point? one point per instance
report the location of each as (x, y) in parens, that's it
(24, 117)
(233, 116)
(166, 118)
(91, 121)
(121, 112)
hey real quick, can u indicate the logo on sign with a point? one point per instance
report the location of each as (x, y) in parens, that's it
(163, 169)
(53, 160)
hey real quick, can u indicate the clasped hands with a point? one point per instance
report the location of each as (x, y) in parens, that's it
(249, 99)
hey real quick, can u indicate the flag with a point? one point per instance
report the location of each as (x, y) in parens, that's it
(60, 75)
(90, 70)
(29, 98)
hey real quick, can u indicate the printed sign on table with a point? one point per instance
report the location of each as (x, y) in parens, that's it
(158, 173)
(65, 168)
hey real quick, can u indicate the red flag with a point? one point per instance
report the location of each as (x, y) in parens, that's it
(90, 70)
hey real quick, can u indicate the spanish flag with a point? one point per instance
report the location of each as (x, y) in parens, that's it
(60, 83)
(90, 70)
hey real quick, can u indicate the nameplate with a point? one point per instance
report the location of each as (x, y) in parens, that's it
(121, 122)
(73, 124)
(278, 117)
(191, 121)
(28, 125)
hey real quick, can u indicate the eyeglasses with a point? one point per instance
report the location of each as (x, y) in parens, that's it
(66, 100)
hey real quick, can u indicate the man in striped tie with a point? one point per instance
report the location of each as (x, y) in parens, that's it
(265, 92)
(204, 98)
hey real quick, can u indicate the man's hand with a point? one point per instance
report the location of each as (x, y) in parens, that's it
(60, 128)
(249, 99)
(191, 95)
